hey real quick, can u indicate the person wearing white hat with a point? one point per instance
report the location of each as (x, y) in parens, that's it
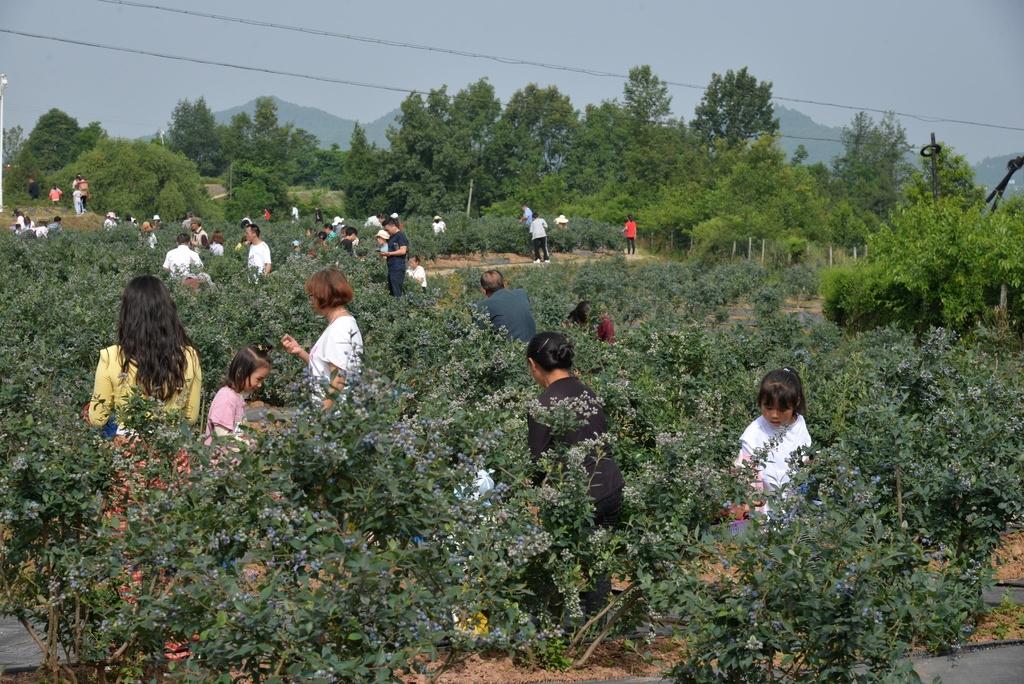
(110, 220)
(337, 221)
(561, 221)
(156, 222)
(394, 215)
(438, 225)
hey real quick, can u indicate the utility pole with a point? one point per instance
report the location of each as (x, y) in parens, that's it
(932, 151)
(469, 200)
(3, 85)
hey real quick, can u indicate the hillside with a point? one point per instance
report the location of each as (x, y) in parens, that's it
(796, 123)
(328, 128)
(990, 171)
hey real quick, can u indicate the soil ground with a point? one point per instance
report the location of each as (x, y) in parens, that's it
(501, 260)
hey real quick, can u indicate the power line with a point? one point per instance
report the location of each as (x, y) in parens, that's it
(196, 60)
(325, 79)
(524, 62)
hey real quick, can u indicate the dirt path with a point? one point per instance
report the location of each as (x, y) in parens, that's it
(505, 260)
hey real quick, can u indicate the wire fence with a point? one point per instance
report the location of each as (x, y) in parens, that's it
(768, 252)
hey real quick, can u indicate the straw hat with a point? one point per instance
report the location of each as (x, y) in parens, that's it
(383, 235)
(561, 220)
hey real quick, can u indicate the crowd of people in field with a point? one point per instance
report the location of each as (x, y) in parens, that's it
(153, 356)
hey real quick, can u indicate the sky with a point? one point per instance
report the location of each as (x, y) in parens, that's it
(955, 60)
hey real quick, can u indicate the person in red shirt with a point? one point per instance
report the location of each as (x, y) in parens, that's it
(629, 232)
(266, 214)
(55, 194)
(580, 317)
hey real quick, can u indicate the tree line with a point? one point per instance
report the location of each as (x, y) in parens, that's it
(718, 176)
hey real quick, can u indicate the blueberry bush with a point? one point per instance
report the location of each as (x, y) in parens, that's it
(351, 545)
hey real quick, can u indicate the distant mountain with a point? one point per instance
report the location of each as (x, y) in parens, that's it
(328, 128)
(800, 126)
(990, 171)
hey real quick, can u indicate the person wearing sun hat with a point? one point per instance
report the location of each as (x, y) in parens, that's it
(438, 225)
(337, 221)
(156, 222)
(561, 221)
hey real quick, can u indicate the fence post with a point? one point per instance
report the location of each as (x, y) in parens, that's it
(855, 252)
(762, 251)
(865, 250)
(830, 254)
(733, 249)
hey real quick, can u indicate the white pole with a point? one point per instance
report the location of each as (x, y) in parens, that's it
(3, 84)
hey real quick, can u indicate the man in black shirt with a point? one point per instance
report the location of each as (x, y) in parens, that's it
(398, 248)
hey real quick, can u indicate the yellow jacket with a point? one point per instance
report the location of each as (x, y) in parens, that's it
(112, 388)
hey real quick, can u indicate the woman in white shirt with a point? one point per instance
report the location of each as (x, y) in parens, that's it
(336, 355)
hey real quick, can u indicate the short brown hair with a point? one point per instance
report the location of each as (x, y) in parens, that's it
(491, 281)
(329, 289)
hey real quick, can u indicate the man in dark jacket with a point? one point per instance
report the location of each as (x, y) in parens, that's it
(508, 310)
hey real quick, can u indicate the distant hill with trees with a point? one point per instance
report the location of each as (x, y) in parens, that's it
(989, 171)
(802, 127)
(328, 128)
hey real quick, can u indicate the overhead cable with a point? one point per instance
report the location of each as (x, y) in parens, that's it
(525, 62)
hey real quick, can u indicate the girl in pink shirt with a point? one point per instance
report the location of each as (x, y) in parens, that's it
(246, 374)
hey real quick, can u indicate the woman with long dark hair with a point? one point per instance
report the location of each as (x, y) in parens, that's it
(153, 355)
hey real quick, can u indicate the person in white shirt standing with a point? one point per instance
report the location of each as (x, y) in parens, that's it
(259, 251)
(539, 233)
(295, 213)
(438, 225)
(183, 263)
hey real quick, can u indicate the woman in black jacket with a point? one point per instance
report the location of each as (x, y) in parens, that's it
(549, 356)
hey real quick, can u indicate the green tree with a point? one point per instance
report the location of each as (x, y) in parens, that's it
(138, 177)
(799, 155)
(268, 146)
(653, 141)
(255, 189)
(192, 131)
(873, 167)
(646, 96)
(302, 151)
(362, 175)
(932, 263)
(415, 164)
(56, 140)
(956, 179)
(532, 138)
(236, 138)
(595, 158)
(14, 138)
(329, 167)
(474, 114)
(735, 107)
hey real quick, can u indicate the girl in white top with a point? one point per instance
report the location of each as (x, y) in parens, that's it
(336, 355)
(778, 432)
